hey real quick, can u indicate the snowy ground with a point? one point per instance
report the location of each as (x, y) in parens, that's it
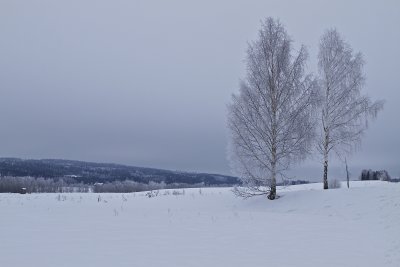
(359, 226)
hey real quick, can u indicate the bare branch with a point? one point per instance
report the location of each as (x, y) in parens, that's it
(345, 112)
(271, 120)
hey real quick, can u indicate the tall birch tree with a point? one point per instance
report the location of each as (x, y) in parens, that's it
(345, 111)
(271, 118)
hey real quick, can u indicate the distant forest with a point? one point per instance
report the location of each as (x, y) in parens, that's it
(104, 177)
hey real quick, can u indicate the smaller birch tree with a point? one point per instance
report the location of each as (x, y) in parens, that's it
(271, 118)
(345, 111)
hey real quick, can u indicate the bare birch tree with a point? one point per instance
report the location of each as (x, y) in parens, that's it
(271, 118)
(345, 111)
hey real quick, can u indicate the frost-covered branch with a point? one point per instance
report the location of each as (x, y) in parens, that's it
(345, 111)
(271, 119)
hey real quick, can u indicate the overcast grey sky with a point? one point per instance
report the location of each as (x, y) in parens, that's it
(146, 83)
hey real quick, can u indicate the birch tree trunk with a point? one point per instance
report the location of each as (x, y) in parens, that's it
(347, 174)
(326, 151)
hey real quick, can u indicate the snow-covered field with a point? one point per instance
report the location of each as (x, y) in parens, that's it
(359, 226)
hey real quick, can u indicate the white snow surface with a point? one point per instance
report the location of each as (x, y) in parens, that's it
(306, 226)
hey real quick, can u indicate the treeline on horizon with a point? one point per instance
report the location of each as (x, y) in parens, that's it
(9, 184)
(89, 173)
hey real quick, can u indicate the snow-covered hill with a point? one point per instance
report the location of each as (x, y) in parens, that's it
(359, 226)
